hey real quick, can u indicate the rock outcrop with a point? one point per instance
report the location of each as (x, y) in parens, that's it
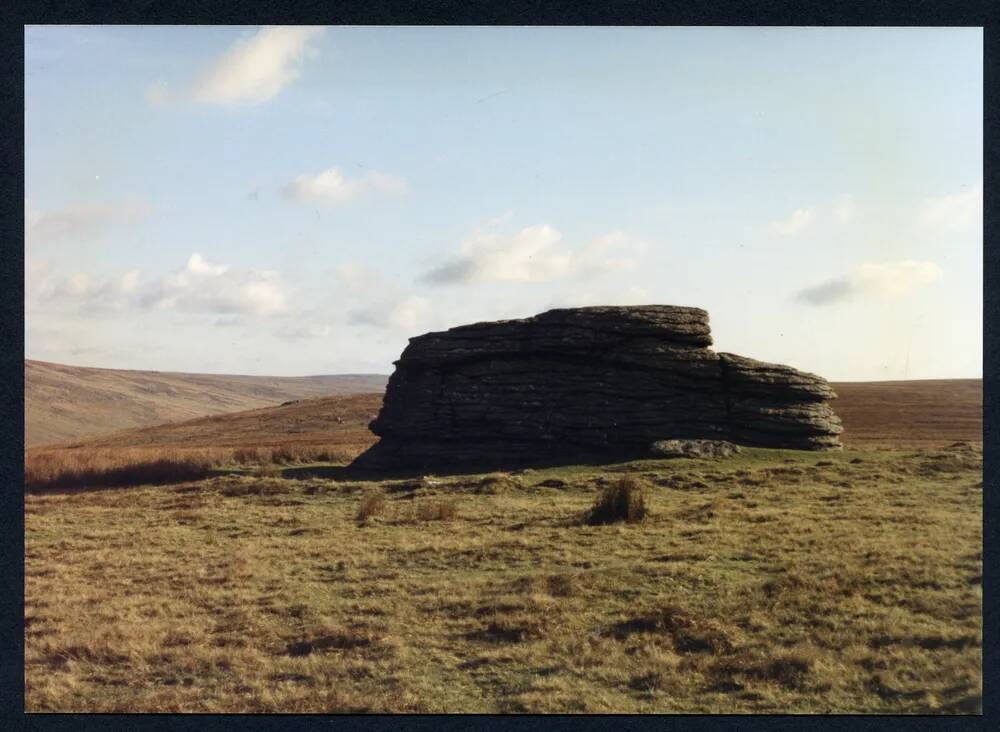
(693, 449)
(587, 383)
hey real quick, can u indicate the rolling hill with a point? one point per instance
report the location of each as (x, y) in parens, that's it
(64, 403)
(911, 414)
(918, 414)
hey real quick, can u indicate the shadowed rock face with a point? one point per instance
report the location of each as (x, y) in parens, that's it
(586, 383)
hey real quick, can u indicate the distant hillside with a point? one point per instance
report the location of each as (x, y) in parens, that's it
(921, 413)
(907, 414)
(340, 421)
(64, 403)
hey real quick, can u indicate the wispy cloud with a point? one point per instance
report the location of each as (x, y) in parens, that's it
(332, 186)
(258, 68)
(78, 290)
(956, 212)
(293, 332)
(841, 211)
(405, 312)
(845, 209)
(534, 254)
(887, 279)
(797, 222)
(204, 287)
(80, 220)
(200, 286)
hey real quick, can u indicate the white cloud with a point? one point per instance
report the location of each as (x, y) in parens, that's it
(203, 287)
(79, 221)
(78, 290)
(200, 286)
(197, 264)
(799, 220)
(254, 70)
(887, 279)
(892, 279)
(332, 186)
(534, 254)
(957, 212)
(401, 312)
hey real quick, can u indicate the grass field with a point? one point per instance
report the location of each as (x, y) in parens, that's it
(771, 582)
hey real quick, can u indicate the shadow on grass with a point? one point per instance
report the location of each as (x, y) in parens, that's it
(362, 472)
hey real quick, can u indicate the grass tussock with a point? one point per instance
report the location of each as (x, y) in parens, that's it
(437, 509)
(623, 500)
(372, 504)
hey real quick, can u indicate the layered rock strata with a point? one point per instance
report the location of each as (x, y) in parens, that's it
(587, 383)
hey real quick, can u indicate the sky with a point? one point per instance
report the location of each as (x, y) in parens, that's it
(302, 200)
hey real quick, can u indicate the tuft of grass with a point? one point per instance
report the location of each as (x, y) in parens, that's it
(623, 500)
(372, 504)
(442, 509)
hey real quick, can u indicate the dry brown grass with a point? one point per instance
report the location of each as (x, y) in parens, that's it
(117, 467)
(767, 583)
(86, 467)
(372, 504)
(623, 500)
(440, 509)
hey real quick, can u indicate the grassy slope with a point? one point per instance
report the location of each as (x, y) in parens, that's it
(70, 402)
(326, 420)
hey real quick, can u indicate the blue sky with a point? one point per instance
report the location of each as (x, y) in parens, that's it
(302, 200)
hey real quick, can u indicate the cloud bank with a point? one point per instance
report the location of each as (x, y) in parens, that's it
(200, 286)
(534, 254)
(203, 287)
(888, 279)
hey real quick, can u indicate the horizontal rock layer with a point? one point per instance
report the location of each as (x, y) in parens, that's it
(586, 383)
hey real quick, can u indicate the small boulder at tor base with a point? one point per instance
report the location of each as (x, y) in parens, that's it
(587, 384)
(693, 449)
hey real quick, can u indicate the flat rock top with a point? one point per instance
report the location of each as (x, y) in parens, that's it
(667, 318)
(568, 327)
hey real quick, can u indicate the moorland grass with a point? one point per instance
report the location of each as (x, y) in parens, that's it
(776, 581)
(92, 467)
